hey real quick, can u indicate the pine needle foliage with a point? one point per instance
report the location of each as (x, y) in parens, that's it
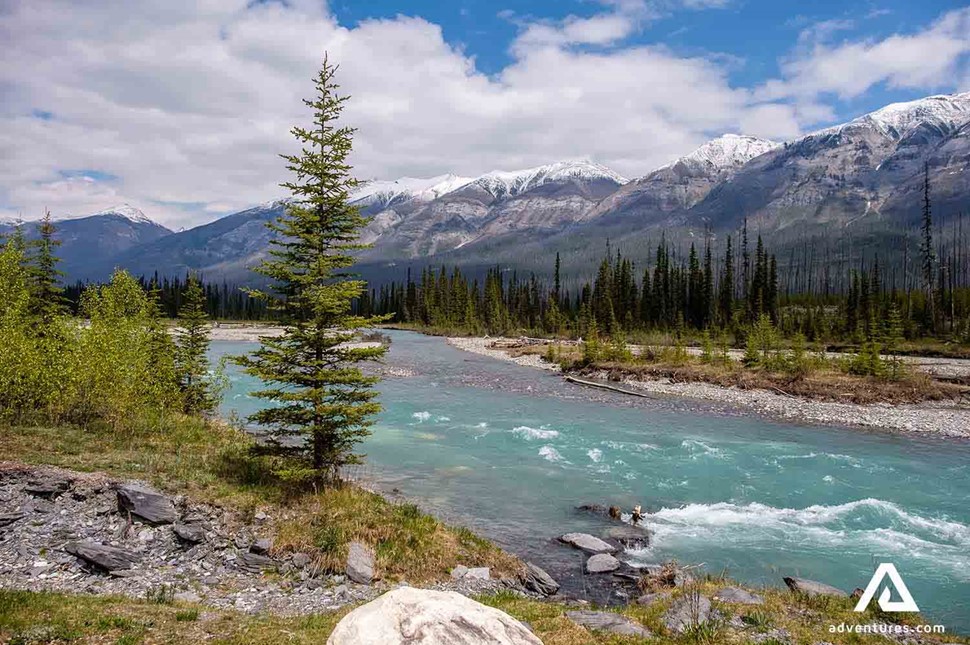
(191, 356)
(323, 403)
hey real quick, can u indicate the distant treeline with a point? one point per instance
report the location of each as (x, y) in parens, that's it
(711, 289)
(223, 301)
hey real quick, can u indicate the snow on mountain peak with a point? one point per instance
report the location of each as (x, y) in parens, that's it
(506, 183)
(727, 152)
(424, 189)
(127, 211)
(948, 111)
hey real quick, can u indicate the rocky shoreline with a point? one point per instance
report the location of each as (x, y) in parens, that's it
(926, 418)
(75, 532)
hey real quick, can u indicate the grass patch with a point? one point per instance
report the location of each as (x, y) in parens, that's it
(212, 463)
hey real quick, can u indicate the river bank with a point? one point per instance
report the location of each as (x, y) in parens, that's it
(944, 419)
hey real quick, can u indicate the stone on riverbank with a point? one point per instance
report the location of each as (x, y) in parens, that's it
(146, 504)
(103, 556)
(49, 488)
(420, 616)
(605, 621)
(738, 596)
(537, 580)
(256, 563)
(360, 563)
(690, 610)
(189, 533)
(602, 563)
(588, 543)
(813, 588)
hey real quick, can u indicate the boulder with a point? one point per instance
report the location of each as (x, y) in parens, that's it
(602, 563)
(587, 543)
(360, 563)
(190, 533)
(689, 610)
(425, 617)
(478, 573)
(537, 580)
(256, 563)
(631, 537)
(813, 588)
(103, 556)
(261, 546)
(459, 572)
(146, 504)
(738, 596)
(605, 621)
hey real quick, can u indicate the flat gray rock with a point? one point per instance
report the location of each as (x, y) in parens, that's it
(587, 543)
(813, 588)
(256, 563)
(478, 573)
(687, 611)
(360, 563)
(606, 621)
(459, 572)
(738, 596)
(537, 580)
(103, 556)
(48, 488)
(261, 546)
(602, 563)
(146, 504)
(301, 560)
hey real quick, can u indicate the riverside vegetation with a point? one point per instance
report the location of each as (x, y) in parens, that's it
(114, 391)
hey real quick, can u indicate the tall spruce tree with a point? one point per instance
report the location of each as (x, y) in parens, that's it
(324, 401)
(191, 359)
(47, 295)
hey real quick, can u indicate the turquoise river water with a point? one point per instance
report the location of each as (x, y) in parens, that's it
(511, 451)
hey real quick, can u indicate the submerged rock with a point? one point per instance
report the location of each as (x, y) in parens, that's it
(588, 543)
(813, 588)
(631, 537)
(602, 563)
(421, 616)
(146, 504)
(102, 556)
(537, 580)
(360, 563)
(605, 621)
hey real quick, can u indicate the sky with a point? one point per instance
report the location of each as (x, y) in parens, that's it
(181, 107)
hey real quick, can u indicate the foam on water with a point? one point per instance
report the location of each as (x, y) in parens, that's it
(542, 432)
(550, 454)
(421, 416)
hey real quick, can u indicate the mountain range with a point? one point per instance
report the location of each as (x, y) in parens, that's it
(862, 181)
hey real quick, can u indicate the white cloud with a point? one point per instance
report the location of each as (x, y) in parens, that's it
(931, 58)
(187, 102)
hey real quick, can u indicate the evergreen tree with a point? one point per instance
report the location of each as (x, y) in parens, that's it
(325, 402)
(192, 362)
(47, 297)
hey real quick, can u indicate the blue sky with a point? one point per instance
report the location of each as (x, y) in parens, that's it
(181, 111)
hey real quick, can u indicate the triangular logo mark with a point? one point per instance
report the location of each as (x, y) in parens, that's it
(887, 569)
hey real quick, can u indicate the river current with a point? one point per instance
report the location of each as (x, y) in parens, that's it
(511, 452)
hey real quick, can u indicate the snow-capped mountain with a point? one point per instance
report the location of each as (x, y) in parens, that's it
(503, 183)
(945, 112)
(89, 240)
(385, 193)
(682, 183)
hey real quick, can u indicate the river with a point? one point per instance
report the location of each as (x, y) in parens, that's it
(511, 451)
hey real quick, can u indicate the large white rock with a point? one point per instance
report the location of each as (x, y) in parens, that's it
(588, 543)
(409, 616)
